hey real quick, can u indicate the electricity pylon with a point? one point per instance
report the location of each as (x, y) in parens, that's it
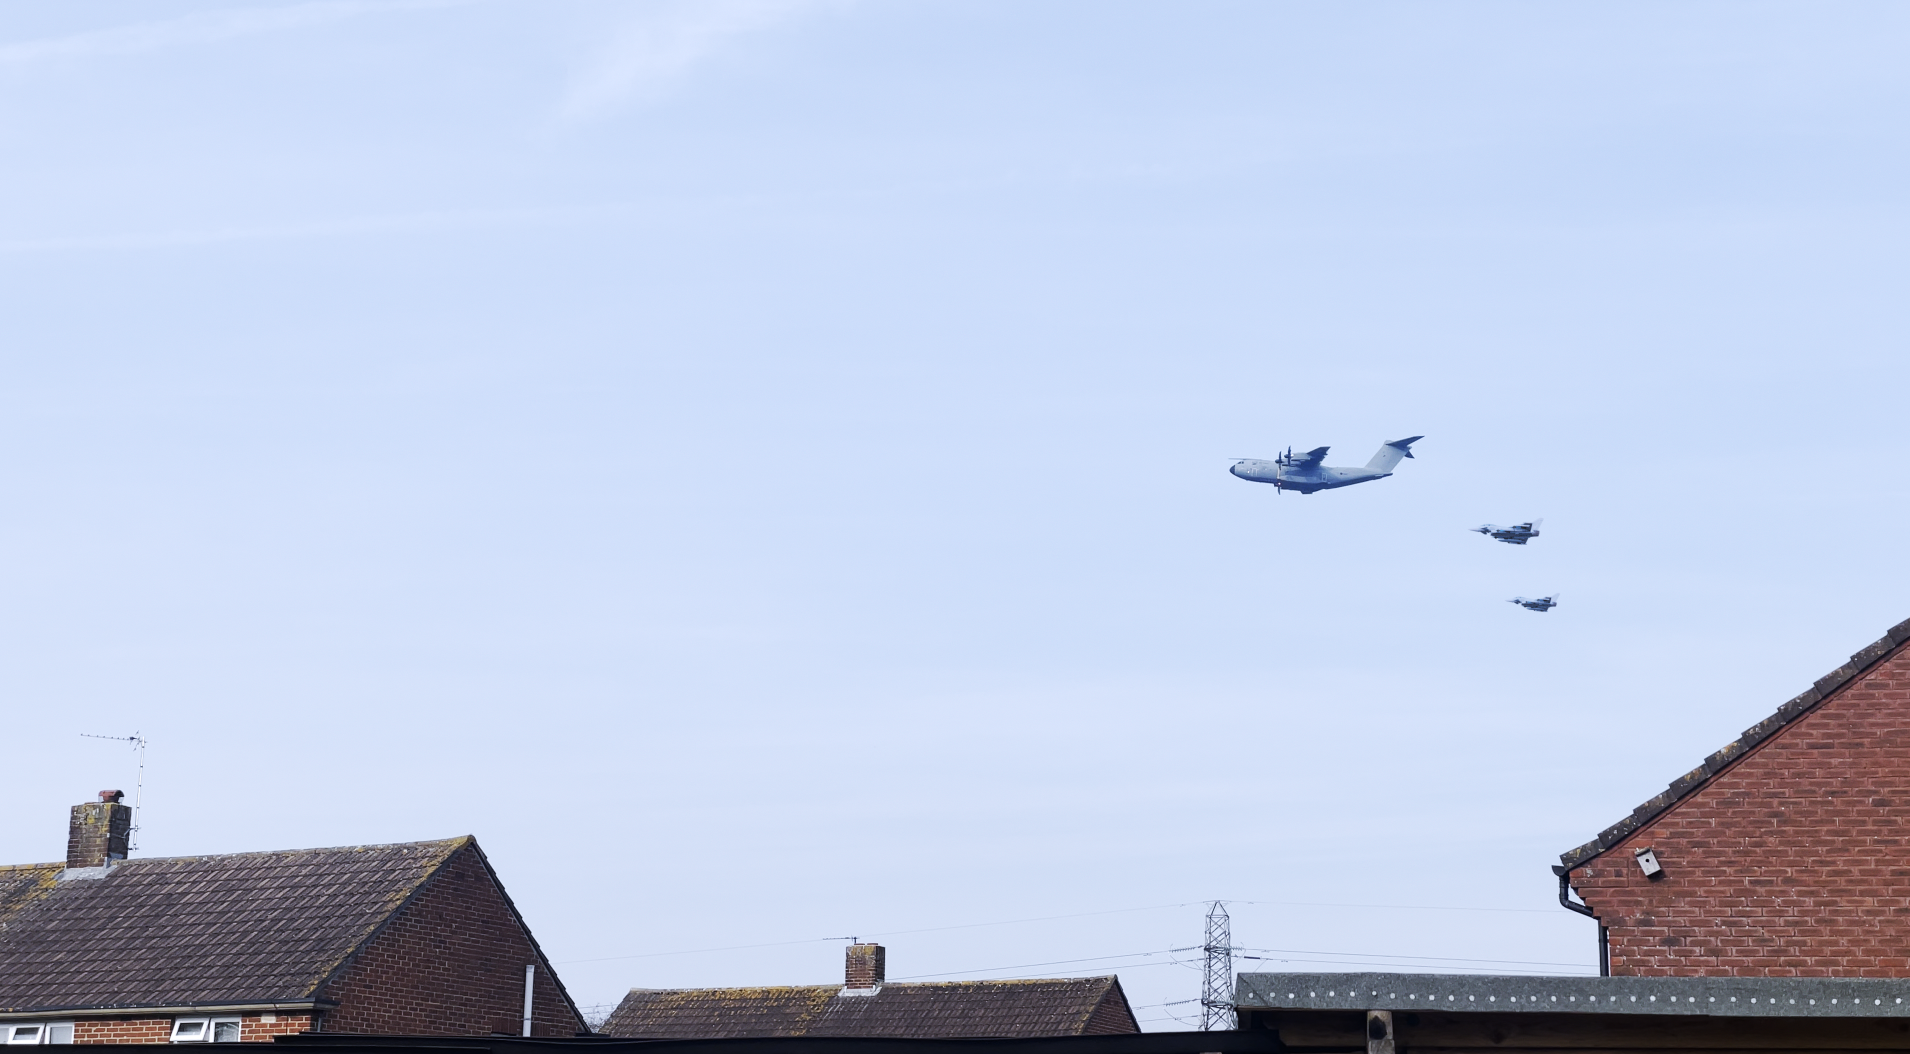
(1217, 986)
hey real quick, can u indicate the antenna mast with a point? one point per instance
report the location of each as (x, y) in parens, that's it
(1217, 984)
(138, 740)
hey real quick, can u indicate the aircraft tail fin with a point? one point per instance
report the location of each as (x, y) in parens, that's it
(1390, 454)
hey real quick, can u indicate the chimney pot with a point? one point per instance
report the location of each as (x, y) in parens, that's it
(865, 967)
(96, 833)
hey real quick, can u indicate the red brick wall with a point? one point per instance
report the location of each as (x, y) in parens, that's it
(253, 1028)
(864, 966)
(1792, 862)
(123, 1030)
(450, 964)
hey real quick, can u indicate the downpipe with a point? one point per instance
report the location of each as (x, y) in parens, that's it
(1604, 934)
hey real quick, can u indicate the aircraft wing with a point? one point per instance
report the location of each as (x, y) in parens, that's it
(1311, 457)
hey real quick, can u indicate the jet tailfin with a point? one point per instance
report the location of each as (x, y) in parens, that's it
(1390, 454)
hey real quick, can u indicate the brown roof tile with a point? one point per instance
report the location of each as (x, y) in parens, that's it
(182, 931)
(958, 1009)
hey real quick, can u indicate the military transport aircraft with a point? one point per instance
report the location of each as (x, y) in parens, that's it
(1541, 604)
(1519, 534)
(1305, 473)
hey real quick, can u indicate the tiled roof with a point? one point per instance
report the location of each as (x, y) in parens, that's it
(1687, 784)
(22, 884)
(959, 1009)
(199, 930)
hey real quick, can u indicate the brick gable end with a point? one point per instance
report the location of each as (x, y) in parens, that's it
(1791, 862)
(1112, 1016)
(450, 963)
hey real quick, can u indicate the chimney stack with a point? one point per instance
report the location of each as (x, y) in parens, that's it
(96, 835)
(866, 968)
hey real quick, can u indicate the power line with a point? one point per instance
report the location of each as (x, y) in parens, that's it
(884, 933)
(1277, 955)
(700, 951)
(1056, 962)
(1390, 907)
(1047, 975)
(1390, 955)
(1284, 955)
(1053, 918)
(1409, 966)
(1280, 955)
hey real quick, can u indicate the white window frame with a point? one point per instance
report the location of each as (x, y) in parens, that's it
(208, 1027)
(43, 1033)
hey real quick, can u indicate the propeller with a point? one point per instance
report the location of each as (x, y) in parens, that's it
(1276, 460)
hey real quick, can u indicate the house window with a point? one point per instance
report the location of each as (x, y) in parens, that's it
(205, 1030)
(36, 1032)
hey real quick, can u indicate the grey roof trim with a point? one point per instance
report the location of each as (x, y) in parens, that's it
(1866, 997)
(1688, 783)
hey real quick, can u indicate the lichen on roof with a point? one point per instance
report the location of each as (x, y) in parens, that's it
(940, 1009)
(22, 884)
(179, 931)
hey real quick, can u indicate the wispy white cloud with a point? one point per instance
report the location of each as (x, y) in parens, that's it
(663, 41)
(201, 27)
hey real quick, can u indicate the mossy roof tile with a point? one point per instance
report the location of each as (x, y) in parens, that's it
(199, 930)
(944, 1010)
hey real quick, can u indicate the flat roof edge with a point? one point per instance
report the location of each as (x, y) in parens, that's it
(1520, 993)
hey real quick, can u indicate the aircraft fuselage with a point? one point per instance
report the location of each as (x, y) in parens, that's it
(1304, 480)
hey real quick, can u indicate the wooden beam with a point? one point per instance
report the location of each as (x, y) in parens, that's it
(1379, 1032)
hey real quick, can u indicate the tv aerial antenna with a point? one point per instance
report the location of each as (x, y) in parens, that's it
(138, 741)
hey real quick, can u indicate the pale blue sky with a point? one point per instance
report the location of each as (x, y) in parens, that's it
(760, 465)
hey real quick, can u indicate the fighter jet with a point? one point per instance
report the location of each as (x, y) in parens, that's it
(1541, 604)
(1518, 534)
(1305, 473)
